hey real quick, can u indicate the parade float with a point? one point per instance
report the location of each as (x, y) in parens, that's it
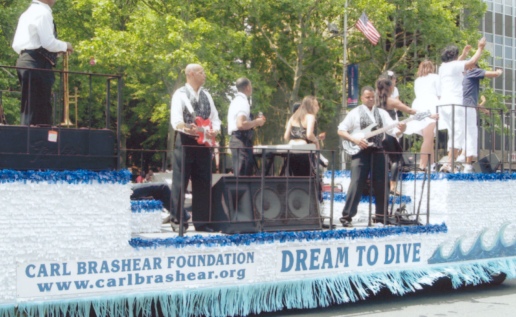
(73, 243)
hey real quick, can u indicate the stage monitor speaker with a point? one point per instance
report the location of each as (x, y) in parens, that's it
(487, 164)
(241, 205)
(24, 148)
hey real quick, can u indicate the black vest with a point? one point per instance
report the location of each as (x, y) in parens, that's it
(201, 107)
(365, 121)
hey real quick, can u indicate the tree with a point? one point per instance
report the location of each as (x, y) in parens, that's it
(283, 46)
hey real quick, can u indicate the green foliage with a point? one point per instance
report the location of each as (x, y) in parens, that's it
(283, 46)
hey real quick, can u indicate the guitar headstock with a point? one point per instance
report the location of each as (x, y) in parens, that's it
(422, 115)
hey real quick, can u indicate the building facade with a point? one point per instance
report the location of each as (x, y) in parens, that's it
(498, 28)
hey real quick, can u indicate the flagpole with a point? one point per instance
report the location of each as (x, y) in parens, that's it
(344, 65)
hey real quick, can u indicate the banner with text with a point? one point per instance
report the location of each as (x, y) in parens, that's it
(352, 85)
(94, 276)
(349, 258)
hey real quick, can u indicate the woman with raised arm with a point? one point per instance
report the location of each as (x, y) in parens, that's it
(451, 75)
(427, 90)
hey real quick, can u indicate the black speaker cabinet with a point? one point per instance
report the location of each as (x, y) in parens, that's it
(241, 205)
(487, 164)
(36, 148)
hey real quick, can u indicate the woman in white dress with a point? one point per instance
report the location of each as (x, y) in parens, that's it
(451, 74)
(427, 90)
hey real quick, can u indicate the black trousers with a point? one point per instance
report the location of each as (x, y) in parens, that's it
(301, 164)
(395, 153)
(36, 106)
(360, 170)
(197, 169)
(242, 156)
(155, 190)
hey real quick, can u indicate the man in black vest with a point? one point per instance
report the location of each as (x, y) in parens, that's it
(371, 153)
(36, 42)
(189, 102)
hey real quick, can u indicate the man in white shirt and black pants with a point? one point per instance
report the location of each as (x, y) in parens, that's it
(240, 128)
(36, 42)
(189, 102)
(358, 119)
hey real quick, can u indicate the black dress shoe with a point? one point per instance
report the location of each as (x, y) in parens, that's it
(204, 229)
(327, 226)
(346, 222)
(175, 226)
(382, 220)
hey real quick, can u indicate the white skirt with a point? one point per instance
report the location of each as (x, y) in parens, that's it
(428, 103)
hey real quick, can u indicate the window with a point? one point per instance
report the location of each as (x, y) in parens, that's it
(507, 77)
(488, 18)
(508, 26)
(498, 23)
(508, 52)
(498, 51)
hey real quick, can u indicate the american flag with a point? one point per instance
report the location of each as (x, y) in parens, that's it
(366, 27)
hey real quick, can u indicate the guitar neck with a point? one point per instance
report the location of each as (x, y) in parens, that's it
(387, 128)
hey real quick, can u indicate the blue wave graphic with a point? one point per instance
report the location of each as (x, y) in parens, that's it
(477, 251)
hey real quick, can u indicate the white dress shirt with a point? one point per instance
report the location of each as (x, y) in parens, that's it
(36, 29)
(351, 122)
(178, 102)
(239, 107)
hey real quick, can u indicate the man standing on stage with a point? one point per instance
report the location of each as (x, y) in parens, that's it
(36, 42)
(358, 119)
(470, 91)
(240, 128)
(188, 103)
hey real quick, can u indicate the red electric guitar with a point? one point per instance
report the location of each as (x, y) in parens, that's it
(203, 125)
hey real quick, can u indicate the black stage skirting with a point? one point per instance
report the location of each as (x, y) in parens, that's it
(39, 148)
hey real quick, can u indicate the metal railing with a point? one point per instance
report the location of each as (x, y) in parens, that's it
(88, 106)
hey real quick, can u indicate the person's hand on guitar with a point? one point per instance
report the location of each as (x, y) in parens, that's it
(434, 116)
(191, 129)
(402, 126)
(211, 134)
(361, 143)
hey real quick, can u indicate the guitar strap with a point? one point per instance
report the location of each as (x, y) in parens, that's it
(193, 108)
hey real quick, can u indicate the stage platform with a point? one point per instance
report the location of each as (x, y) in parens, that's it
(74, 242)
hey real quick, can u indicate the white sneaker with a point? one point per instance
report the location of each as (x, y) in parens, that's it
(468, 168)
(446, 168)
(460, 159)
